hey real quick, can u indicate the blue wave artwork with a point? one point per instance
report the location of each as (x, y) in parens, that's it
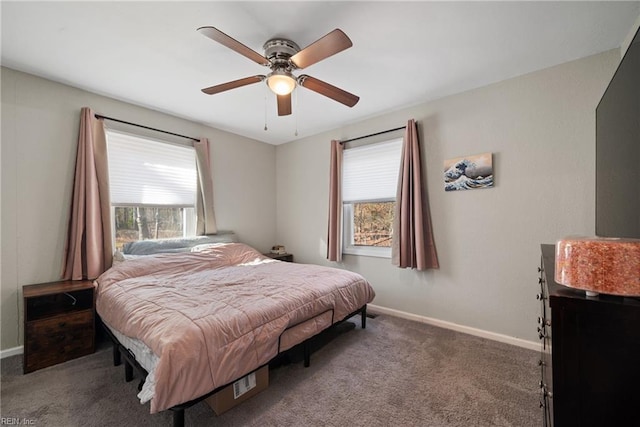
(467, 173)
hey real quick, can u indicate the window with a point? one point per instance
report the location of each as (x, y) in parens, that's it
(153, 188)
(369, 186)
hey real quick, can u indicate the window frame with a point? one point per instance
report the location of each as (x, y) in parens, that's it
(348, 246)
(189, 211)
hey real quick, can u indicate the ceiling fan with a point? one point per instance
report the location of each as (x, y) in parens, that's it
(283, 56)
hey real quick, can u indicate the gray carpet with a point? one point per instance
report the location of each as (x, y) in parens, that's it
(394, 373)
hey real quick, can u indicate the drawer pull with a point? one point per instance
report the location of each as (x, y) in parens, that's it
(545, 392)
(542, 321)
(540, 297)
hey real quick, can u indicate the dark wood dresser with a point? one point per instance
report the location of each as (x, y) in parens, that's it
(590, 364)
(59, 322)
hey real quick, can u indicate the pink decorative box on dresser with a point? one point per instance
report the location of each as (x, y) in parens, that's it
(599, 265)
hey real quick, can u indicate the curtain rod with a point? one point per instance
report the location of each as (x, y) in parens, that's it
(98, 116)
(371, 134)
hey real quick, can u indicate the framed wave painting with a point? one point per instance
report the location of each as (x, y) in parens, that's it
(468, 173)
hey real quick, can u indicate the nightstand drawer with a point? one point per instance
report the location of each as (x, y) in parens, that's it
(58, 339)
(287, 257)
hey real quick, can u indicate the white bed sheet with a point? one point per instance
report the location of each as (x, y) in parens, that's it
(145, 357)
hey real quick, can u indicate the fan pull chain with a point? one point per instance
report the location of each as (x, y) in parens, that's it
(296, 115)
(265, 111)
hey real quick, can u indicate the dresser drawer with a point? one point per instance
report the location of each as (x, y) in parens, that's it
(58, 339)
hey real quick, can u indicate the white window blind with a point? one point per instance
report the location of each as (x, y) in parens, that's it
(370, 172)
(143, 171)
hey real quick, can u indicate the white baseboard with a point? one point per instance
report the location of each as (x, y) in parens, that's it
(11, 352)
(531, 345)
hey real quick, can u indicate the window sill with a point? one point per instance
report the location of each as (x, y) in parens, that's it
(368, 251)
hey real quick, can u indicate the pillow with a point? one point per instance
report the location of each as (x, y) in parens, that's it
(200, 248)
(119, 257)
(180, 244)
(232, 253)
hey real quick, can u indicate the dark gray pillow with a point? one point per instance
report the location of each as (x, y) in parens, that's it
(180, 244)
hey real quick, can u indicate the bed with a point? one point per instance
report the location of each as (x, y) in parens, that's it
(196, 321)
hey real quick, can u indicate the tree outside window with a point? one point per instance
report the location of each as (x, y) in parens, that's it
(372, 223)
(141, 223)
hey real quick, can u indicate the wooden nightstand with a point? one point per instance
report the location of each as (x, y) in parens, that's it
(280, 257)
(59, 322)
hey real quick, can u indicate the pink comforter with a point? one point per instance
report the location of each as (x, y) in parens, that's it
(213, 316)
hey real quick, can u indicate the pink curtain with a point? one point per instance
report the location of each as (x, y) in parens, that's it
(412, 243)
(334, 240)
(206, 220)
(89, 248)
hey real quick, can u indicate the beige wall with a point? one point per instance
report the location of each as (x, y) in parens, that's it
(541, 130)
(40, 122)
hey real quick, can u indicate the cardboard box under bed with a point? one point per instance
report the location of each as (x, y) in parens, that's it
(239, 391)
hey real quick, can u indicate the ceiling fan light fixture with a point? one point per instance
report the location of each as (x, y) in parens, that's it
(281, 82)
(283, 56)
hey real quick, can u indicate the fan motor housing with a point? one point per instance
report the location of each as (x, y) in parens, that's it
(278, 52)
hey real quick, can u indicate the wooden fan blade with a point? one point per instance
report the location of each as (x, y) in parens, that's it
(232, 85)
(284, 105)
(332, 43)
(330, 91)
(233, 44)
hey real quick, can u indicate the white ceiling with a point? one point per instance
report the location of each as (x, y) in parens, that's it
(149, 53)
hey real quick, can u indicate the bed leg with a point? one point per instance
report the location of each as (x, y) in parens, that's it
(363, 317)
(307, 353)
(178, 417)
(116, 355)
(128, 371)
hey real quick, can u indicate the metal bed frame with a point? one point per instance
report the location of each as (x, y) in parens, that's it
(120, 352)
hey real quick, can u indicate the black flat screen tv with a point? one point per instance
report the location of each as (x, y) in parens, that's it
(618, 150)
